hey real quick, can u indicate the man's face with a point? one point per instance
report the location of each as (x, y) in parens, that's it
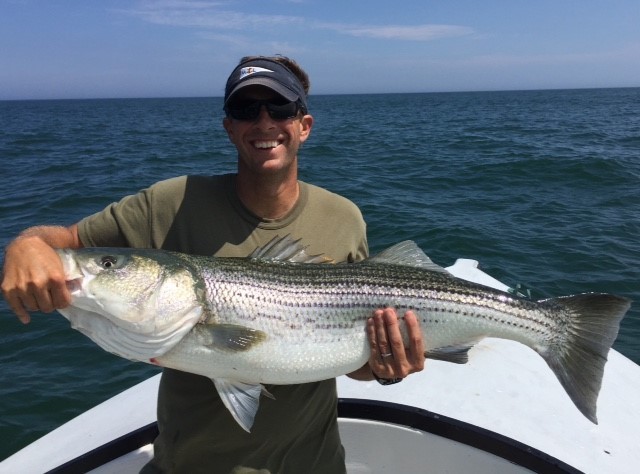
(266, 145)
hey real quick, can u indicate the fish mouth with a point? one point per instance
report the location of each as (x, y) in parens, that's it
(73, 273)
(74, 286)
(70, 266)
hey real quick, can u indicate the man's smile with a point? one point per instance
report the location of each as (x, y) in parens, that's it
(265, 144)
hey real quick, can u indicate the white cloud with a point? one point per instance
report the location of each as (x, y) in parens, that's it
(212, 15)
(203, 14)
(402, 32)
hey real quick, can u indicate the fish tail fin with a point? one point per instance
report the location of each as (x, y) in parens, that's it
(578, 357)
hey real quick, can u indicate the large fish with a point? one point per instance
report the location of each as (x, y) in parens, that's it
(281, 317)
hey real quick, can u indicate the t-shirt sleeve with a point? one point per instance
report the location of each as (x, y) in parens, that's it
(135, 220)
(121, 224)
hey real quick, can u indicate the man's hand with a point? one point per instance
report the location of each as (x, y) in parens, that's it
(390, 359)
(33, 277)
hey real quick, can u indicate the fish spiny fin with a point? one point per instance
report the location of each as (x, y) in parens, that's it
(286, 249)
(229, 337)
(241, 399)
(579, 356)
(406, 253)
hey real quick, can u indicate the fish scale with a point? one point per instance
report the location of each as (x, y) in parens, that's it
(313, 289)
(277, 318)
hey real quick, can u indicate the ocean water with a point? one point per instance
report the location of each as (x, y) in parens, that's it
(542, 187)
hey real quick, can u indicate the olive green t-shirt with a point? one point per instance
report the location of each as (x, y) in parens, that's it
(296, 432)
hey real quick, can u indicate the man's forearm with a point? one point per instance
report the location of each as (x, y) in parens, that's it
(54, 236)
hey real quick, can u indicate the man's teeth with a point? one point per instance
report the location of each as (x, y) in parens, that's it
(266, 144)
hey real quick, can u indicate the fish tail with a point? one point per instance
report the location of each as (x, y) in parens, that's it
(578, 357)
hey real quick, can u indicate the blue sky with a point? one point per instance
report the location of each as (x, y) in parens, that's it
(172, 48)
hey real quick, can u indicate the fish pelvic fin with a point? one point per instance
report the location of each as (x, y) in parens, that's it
(578, 358)
(241, 399)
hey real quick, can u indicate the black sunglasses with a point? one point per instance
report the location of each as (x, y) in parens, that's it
(250, 109)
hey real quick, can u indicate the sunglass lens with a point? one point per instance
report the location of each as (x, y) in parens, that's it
(282, 111)
(251, 110)
(244, 110)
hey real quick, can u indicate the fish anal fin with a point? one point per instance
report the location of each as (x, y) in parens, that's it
(458, 354)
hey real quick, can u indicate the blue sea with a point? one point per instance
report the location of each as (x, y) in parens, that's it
(542, 187)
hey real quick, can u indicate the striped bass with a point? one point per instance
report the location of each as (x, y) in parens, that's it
(282, 317)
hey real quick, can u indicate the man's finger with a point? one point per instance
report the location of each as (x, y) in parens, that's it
(382, 339)
(17, 307)
(416, 341)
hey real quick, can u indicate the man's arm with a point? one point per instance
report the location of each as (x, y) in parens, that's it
(33, 276)
(389, 358)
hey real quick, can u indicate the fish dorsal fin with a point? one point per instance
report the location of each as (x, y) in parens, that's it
(287, 249)
(407, 253)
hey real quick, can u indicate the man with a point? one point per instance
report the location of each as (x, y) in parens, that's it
(267, 120)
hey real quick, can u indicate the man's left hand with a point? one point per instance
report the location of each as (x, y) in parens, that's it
(390, 358)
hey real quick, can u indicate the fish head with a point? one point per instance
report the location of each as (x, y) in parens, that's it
(135, 303)
(113, 282)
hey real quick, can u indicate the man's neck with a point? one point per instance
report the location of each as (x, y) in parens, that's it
(268, 198)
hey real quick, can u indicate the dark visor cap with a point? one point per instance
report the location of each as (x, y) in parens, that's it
(267, 73)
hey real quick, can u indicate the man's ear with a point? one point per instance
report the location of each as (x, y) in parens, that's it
(306, 124)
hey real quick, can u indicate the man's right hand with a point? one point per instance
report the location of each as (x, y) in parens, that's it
(33, 277)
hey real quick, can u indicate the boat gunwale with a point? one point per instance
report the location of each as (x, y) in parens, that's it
(427, 421)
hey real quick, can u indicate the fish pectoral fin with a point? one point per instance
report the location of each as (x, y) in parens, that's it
(458, 354)
(241, 399)
(231, 337)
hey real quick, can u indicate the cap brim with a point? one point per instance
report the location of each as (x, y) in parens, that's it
(266, 82)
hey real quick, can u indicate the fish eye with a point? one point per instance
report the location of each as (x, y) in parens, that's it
(108, 261)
